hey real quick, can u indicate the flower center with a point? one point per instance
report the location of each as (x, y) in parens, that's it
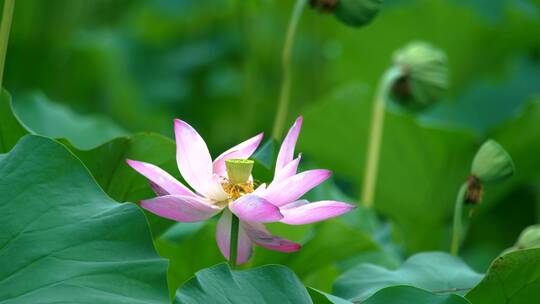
(235, 191)
(238, 182)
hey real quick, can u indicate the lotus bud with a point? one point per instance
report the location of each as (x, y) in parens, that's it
(424, 79)
(351, 12)
(492, 163)
(239, 170)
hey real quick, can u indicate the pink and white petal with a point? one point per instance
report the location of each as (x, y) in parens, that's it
(223, 239)
(286, 151)
(255, 209)
(287, 171)
(262, 237)
(294, 204)
(259, 190)
(241, 151)
(194, 161)
(292, 188)
(214, 190)
(158, 177)
(314, 212)
(180, 208)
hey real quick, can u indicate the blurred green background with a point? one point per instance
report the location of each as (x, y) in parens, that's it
(216, 64)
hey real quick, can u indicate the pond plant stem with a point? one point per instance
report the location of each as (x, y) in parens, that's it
(284, 95)
(235, 222)
(375, 137)
(5, 26)
(457, 225)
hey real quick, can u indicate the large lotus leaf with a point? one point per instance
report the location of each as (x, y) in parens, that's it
(63, 240)
(10, 127)
(408, 294)
(433, 271)
(512, 278)
(106, 162)
(267, 284)
(51, 119)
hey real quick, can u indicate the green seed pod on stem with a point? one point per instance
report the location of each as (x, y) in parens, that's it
(492, 163)
(424, 77)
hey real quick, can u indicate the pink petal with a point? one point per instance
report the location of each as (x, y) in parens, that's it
(287, 171)
(160, 179)
(180, 208)
(294, 204)
(241, 151)
(262, 237)
(223, 238)
(195, 163)
(255, 209)
(259, 190)
(158, 190)
(299, 214)
(292, 188)
(286, 151)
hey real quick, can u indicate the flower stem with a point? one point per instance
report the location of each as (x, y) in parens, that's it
(5, 26)
(458, 225)
(234, 241)
(375, 137)
(285, 91)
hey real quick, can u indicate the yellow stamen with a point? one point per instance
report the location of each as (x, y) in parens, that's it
(235, 191)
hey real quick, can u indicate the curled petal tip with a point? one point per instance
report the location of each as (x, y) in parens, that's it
(180, 123)
(291, 248)
(259, 137)
(324, 173)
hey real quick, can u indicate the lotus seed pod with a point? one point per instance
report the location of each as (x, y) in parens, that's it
(239, 170)
(492, 163)
(351, 12)
(424, 75)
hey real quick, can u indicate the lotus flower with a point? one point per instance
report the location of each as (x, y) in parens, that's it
(213, 192)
